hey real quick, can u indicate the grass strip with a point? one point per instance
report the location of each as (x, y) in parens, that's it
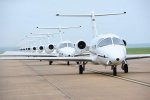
(138, 50)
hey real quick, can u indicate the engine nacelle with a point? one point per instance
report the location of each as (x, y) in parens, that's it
(34, 49)
(29, 49)
(80, 46)
(49, 49)
(41, 49)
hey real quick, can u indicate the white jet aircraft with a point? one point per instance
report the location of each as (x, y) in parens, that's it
(39, 48)
(51, 46)
(67, 48)
(105, 49)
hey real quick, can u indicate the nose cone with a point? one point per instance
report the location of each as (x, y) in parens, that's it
(113, 54)
(117, 59)
(67, 52)
(116, 56)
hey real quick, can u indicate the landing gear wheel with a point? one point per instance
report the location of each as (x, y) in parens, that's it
(83, 67)
(114, 68)
(68, 63)
(50, 62)
(125, 68)
(80, 69)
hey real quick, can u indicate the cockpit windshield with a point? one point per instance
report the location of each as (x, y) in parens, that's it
(105, 42)
(66, 45)
(110, 41)
(117, 41)
(70, 45)
(63, 45)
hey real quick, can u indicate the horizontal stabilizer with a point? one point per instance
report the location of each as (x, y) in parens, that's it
(42, 33)
(89, 15)
(60, 27)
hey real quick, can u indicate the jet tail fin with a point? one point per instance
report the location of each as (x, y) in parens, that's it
(60, 28)
(92, 18)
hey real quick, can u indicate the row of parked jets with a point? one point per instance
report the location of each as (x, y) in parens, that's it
(104, 49)
(62, 49)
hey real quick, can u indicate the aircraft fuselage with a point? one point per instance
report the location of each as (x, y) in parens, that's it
(108, 50)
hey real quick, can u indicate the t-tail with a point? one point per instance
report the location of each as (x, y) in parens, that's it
(60, 29)
(92, 15)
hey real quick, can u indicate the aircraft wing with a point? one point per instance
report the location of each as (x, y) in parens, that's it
(82, 54)
(26, 54)
(137, 56)
(49, 58)
(30, 54)
(18, 55)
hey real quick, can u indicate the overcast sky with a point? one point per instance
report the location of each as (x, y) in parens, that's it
(21, 17)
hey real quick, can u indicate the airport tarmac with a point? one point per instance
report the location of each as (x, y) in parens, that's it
(35, 80)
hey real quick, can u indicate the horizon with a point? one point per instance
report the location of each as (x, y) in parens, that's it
(142, 45)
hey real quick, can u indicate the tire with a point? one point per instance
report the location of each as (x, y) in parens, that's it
(80, 69)
(50, 62)
(125, 68)
(115, 71)
(68, 63)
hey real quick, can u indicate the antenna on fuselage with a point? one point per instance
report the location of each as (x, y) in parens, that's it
(92, 15)
(60, 29)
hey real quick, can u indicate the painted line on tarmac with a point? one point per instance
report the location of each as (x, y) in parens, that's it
(120, 77)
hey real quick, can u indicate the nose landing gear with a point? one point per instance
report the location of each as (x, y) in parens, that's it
(114, 68)
(50, 62)
(124, 67)
(68, 63)
(81, 67)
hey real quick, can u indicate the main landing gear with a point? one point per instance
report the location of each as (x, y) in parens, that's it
(68, 63)
(82, 67)
(50, 62)
(114, 68)
(124, 67)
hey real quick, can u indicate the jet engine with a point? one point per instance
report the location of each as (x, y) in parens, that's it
(28, 49)
(49, 49)
(41, 48)
(80, 46)
(34, 49)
